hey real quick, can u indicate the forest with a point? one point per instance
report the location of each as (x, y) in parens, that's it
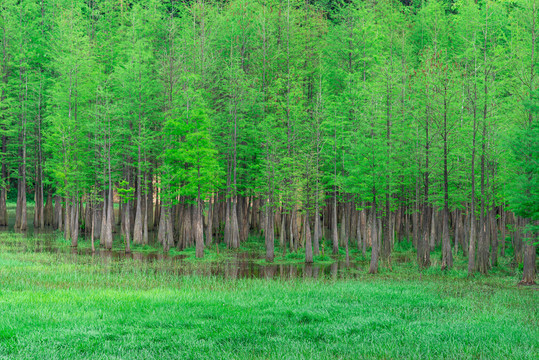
(269, 179)
(352, 124)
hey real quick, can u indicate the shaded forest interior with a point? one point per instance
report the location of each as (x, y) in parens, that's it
(356, 124)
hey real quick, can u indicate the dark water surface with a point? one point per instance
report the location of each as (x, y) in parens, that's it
(238, 265)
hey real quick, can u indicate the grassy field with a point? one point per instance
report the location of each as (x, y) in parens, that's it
(53, 306)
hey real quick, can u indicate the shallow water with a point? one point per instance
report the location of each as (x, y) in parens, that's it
(242, 264)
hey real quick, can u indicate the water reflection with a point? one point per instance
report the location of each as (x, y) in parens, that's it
(240, 266)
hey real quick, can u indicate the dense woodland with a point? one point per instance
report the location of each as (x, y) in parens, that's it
(356, 123)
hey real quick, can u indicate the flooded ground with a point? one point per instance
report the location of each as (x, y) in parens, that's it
(237, 264)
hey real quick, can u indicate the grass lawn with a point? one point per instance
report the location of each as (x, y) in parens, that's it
(54, 306)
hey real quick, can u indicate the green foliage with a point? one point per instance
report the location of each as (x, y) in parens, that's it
(524, 193)
(191, 156)
(290, 102)
(125, 192)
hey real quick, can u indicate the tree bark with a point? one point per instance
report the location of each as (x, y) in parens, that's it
(48, 210)
(529, 269)
(209, 225)
(493, 236)
(334, 233)
(198, 227)
(308, 241)
(316, 237)
(137, 228)
(373, 267)
(269, 231)
(165, 232)
(74, 219)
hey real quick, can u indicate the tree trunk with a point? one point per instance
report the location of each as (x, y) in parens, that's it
(158, 205)
(92, 233)
(209, 225)
(308, 241)
(344, 235)
(74, 226)
(373, 267)
(103, 232)
(282, 234)
(447, 256)
(21, 222)
(423, 243)
(255, 215)
(359, 237)
(503, 230)
(126, 224)
(493, 236)
(165, 232)
(137, 228)
(198, 228)
(146, 211)
(67, 219)
(334, 233)
(107, 236)
(432, 228)
(316, 237)
(294, 231)
(269, 231)
(3, 188)
(48, 210)
(529, 270)
(39, 220)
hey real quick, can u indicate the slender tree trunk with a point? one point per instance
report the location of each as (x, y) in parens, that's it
(334, 233)
(483, 255)
(493, 236)
(359, 235)
(294, 231)
(365, 230)
(282, 238)
(529, 269)
(269, 231)
(198, 228)
(137, 229)
(316, 237)
(308, 241)
(57, 216)
(3, 188)
(107, 236)
(39, 219)
(94, 214)
(503, 228)
(103, 232)
(158, 206)
(165, 231)
(48, 210)
(209, 225)
(3, 156)
(74, 222)
(373, 267)
(424, 244)
(424, 248)
(234, 228)
(67, 219)
(146, 210)
(472, 237)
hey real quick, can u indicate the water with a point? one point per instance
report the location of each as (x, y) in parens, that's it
(240, 265)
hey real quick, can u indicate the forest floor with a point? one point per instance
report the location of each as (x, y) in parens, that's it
(54, 305)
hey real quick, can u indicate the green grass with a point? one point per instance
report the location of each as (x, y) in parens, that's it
(57, 306)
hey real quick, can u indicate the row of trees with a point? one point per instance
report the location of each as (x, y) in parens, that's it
(362, 122)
